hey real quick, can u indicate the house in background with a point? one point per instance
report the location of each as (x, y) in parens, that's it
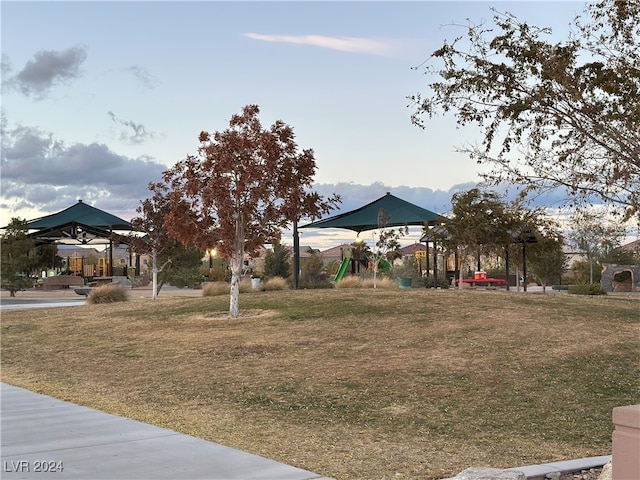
(632, 246)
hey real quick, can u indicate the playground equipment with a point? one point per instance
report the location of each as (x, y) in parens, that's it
(344, 266)
(383, 266)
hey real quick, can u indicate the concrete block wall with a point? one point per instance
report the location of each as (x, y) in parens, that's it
(626, 443)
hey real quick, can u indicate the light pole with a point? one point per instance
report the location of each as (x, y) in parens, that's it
(355, 257)
(212, 253)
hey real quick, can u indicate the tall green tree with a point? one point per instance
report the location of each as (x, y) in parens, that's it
(546, 257)
(244, 186)
(553, 114)
(184, 269)
(170, 259)
(479, 223)
(16, 263)
(277, 261)
(314, 272)
(594, 236)
(621, 256)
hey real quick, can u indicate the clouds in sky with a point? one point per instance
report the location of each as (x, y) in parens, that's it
(139, 134)
(98, 115)
(40, 172)
(344, 44)
(142, 75)
(47, 69)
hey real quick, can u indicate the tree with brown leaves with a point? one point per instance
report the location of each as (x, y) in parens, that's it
(245, 185)
(165, 251)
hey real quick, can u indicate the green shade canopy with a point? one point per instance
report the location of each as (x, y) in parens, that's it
(400, 213)
(81, 214)
(80, 223)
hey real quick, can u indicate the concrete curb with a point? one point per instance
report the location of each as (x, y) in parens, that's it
(536, 472)
(540, 472)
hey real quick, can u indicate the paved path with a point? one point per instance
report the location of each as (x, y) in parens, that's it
(40, 433)
(22, 303)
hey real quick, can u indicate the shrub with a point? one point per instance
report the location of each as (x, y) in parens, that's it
(275, 283)
(109, 293)
(587, 289)
(313, 271)
(245, 286)
(382, 282)
(316, 284)
(349, 282)
(277, 261)
(214, 289)
(408, 269)
(429, 283)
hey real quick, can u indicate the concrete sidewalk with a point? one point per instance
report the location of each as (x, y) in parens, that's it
(46, 438)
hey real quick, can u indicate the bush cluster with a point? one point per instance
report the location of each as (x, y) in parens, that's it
(214, 289)
(351, 281)
(275, 283)
(428, 282)
(109, 293)
(587, 289)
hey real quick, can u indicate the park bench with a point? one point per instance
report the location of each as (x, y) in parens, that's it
(489, 282)
(61, 282)
(97, 281)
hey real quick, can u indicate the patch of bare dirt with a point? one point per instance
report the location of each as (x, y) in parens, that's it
(242, 314)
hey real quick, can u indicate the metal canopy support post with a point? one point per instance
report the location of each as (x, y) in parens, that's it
(457, 266)
(506, 268)
(427, 266)
(526, 235)
(435, 265)
(110, 269)
(524, 265)
(296, 254)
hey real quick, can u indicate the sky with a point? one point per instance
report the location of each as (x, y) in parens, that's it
(99, 98)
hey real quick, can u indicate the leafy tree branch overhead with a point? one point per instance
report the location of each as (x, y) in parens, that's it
(551, 114)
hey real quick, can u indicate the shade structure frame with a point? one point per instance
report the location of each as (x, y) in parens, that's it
(399, 212)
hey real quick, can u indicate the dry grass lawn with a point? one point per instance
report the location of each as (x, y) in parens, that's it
(349, 383)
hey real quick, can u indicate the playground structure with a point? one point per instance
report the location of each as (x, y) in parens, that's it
(620, 278)
(80, 224)
(348, 260)
(77, 267)
(398, 213)
(342, 269)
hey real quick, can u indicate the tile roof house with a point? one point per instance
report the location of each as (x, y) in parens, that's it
(632, 246)
(335, 252)
(410, 250)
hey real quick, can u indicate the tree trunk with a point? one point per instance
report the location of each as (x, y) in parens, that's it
(154, 274)
(376, 263)
(234, 294)
(159, 287)
(236, 270)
